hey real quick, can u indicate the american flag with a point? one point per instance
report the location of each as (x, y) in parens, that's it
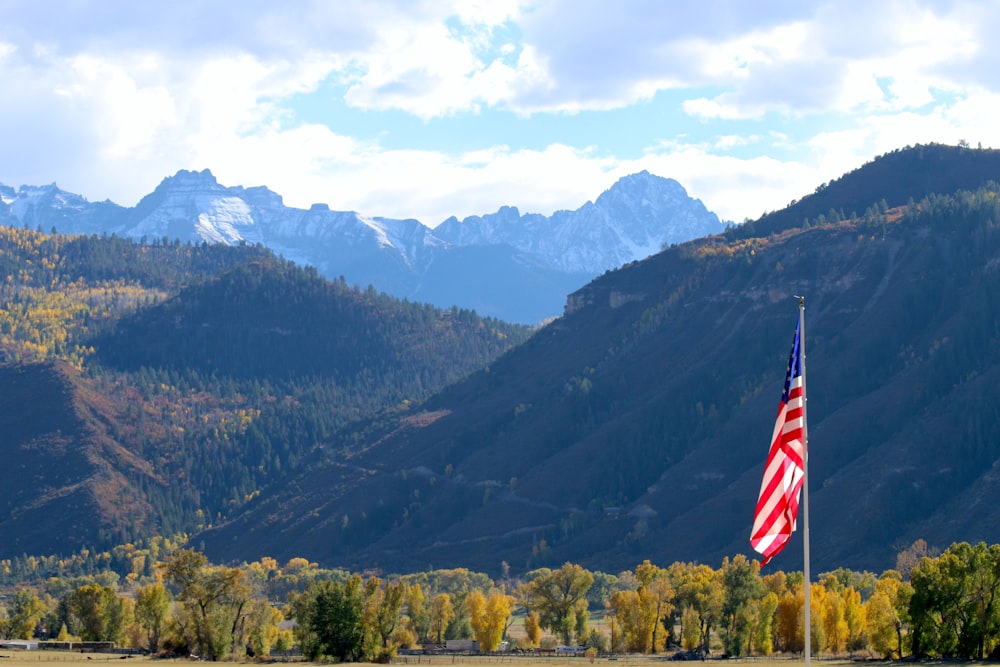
(778, 503)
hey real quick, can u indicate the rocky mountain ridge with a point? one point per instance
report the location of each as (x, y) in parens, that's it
(538, 258)
(634, 219)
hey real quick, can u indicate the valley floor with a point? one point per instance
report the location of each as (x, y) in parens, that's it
(627, 659)
(10, 658)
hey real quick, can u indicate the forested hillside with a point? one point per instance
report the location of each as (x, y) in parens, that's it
(637, 425)
(225, 392)
(902, 177)
(153, 389)
(59, 291)
(272, 321)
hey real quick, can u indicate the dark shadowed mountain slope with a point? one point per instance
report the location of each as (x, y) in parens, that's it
(272, 320)
(891, 180)
(65, 478)
(637, 425)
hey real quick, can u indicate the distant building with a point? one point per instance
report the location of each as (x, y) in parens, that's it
(571, 650)
(462, 645)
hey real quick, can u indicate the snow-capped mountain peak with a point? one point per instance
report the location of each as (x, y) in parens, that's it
(631, 220)
(466, 262)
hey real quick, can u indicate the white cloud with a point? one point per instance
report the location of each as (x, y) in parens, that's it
(974, 119)
(487, 12)
(437, 58)
(194, 29)
(432, 185)
(733, 188)
(730, 141)
(718, 108)
(128, 116)
(110, 97)
(839, 60)
(426, 70)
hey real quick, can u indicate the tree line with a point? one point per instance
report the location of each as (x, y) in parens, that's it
(935, 605)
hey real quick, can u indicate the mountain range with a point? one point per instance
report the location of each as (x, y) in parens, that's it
(264, 411)
(514, 266)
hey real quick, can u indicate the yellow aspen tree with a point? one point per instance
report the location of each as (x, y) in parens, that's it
(763, 632)
(383, 612)
(690, 629)
(776, 582)
(417, 611)
(262, 627)
(855, 619)
(442, 614)
(488, 617)
(635, 611)
(152, 606)
(881, 628)
(475, 602)
(533, 628)
(657, 583)
(214, 599)
(788, 623)
(817, 597)
(403, 637)
(883, 614)
(24, 612)
(700, 588)
(834, 624)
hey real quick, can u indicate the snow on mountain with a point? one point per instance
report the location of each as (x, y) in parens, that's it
(7, 194)
(633, 219)
(34, 197)
(546, 256)
(192, 206)
(47, 207)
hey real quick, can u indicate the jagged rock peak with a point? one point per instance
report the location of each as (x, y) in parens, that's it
(644, 183)
(35, 190)
(264, 197)
(189, 180)
(29, 196)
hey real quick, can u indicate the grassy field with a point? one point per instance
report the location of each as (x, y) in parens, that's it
(633, 660)
(9, 658)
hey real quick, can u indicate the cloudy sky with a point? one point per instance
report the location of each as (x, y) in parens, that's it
(426, 109)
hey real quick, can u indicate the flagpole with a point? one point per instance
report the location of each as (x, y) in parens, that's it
(806, 584)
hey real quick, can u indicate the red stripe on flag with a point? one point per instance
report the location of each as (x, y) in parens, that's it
(778, 502)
